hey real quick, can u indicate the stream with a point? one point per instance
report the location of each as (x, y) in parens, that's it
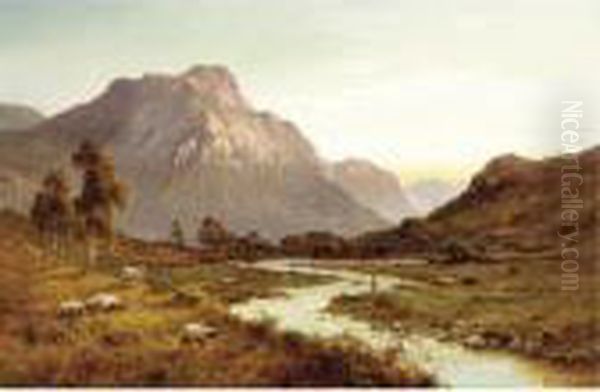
(304, 310)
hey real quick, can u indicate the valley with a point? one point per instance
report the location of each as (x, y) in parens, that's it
(167, 233)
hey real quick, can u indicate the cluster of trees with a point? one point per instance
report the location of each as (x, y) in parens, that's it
(316, 244)
(213, 234)
(89, 216)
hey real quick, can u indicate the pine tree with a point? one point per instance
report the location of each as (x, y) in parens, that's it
(177, 235)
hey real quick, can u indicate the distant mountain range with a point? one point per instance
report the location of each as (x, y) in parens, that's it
(191, 145)
(428, 194)
(374, 187)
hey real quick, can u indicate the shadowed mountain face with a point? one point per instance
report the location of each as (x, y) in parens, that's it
(513, 205)
(15, 117)
(191, 145)
(373, 187)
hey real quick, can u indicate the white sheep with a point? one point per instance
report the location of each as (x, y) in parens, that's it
(197, 332)
(104, 302)
(71, 309)
(132, 274)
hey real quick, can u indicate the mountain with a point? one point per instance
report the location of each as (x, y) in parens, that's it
(14, 117)
(428, 194)
(373, 187)
(191, 145)
(513, 206)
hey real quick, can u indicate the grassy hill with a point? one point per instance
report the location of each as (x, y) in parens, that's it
(511, 209)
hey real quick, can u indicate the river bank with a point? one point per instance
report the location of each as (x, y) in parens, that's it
(307, 310)
(514, 307)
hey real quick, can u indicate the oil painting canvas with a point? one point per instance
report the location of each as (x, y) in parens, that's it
(302, 193)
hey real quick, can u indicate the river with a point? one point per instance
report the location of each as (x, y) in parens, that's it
(304, 310)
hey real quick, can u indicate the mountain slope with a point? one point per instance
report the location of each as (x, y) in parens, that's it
(15, 117)
(191, 145)
(373, 187)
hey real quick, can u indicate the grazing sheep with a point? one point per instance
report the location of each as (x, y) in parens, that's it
(104, 302)
(69, 309)
(197, 332)
(132, 274)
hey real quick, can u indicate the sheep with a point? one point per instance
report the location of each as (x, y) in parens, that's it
(197, 332)
(104, 302)
(132, 274)
(69, 309)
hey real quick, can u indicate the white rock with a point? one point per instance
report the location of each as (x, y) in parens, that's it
(185, 151)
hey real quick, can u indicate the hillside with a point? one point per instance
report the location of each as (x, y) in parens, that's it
(190, 145)
(511, 206)
(15, 117)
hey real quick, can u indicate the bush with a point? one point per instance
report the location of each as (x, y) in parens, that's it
(469, 280)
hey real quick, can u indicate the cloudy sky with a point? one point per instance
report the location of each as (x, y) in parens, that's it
(426, 88)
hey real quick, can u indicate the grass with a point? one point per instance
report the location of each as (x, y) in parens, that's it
(519, 304)
(141, 346)
(230, 284)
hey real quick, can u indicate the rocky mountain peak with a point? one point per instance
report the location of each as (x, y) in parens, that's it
(190, 142)
(209, 83)
(216, 81)
(217, 75)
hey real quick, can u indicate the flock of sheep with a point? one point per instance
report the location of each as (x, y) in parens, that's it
(107, 302)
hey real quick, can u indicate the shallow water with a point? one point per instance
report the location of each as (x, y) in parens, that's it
(304, 310)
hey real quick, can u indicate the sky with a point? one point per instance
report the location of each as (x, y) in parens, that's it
(425, 88)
